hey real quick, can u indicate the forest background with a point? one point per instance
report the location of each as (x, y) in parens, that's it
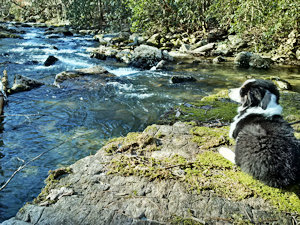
(266, 24)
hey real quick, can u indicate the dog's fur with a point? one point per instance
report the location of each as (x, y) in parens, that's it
(266, 147)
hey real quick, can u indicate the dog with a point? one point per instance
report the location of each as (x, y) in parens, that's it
(266, 147)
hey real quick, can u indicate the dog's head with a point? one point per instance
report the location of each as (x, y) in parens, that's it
(256, 93)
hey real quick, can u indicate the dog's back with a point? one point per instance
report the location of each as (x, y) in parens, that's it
(268, 150)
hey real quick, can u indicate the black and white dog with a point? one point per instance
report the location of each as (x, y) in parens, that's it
(266, 147)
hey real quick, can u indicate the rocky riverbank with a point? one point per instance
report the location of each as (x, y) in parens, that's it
(217, 46)
(167, 174)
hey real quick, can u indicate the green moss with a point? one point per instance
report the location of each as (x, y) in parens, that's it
(210, 171)
(207, 137)
(51, 182)
(133, 142)
(213, 108)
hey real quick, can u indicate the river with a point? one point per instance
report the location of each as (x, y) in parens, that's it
(79, 118)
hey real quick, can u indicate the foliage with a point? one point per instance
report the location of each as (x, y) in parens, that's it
(265, 21)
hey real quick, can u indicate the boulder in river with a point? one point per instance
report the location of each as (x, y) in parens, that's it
(51, 60)
(22, 83)
(248, 59)
(98, 71)
(146, 56)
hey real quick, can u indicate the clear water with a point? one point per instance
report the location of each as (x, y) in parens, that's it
(84, 114)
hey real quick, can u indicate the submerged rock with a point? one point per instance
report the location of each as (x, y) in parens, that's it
(182, 79)
(22, 83)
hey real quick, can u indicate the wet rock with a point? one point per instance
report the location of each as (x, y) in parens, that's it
(51, 60)
(256, 61)
(98, 71)
(282, 84)
(182, 79)
(161, 65)
(219, 59)
(242, 59)
(146, 57)
(124, 56)
(103, 52)
(22, 83)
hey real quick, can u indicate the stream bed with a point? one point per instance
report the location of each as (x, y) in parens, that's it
(75, 121)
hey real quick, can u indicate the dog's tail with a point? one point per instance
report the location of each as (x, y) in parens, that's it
(227, 154)
(293, 123)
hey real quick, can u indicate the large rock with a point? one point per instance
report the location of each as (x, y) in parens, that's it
(51, 60)
(22, 83)
(248, 59)
(256, 61)
(143, 179)
(103, 52)
(154, 40)
(146, 57)
(101, 73)
(204, 49)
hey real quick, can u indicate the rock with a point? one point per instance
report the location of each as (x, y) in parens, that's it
(216, 34)
(185, 48)
(182, 79)
(256, 61)
(176, 43)
(154, 40)
(199, 44)
(103, 52)
(242, 59)
(236, 41)
(137, 39)
(159, 176)
(67, 33)
(161, 65)
(146, 57)
(224, 49)
(106, 39)
(51, 60)
(282, 84)
(219, 59)
(298, 54)
(102, 73)
(124, 56)
(203, 49)
(22, 83)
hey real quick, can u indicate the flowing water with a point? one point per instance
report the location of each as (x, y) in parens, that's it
(80, 117)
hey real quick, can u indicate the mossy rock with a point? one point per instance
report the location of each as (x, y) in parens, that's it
(52, 182)
(217, 108)
(208, 138)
